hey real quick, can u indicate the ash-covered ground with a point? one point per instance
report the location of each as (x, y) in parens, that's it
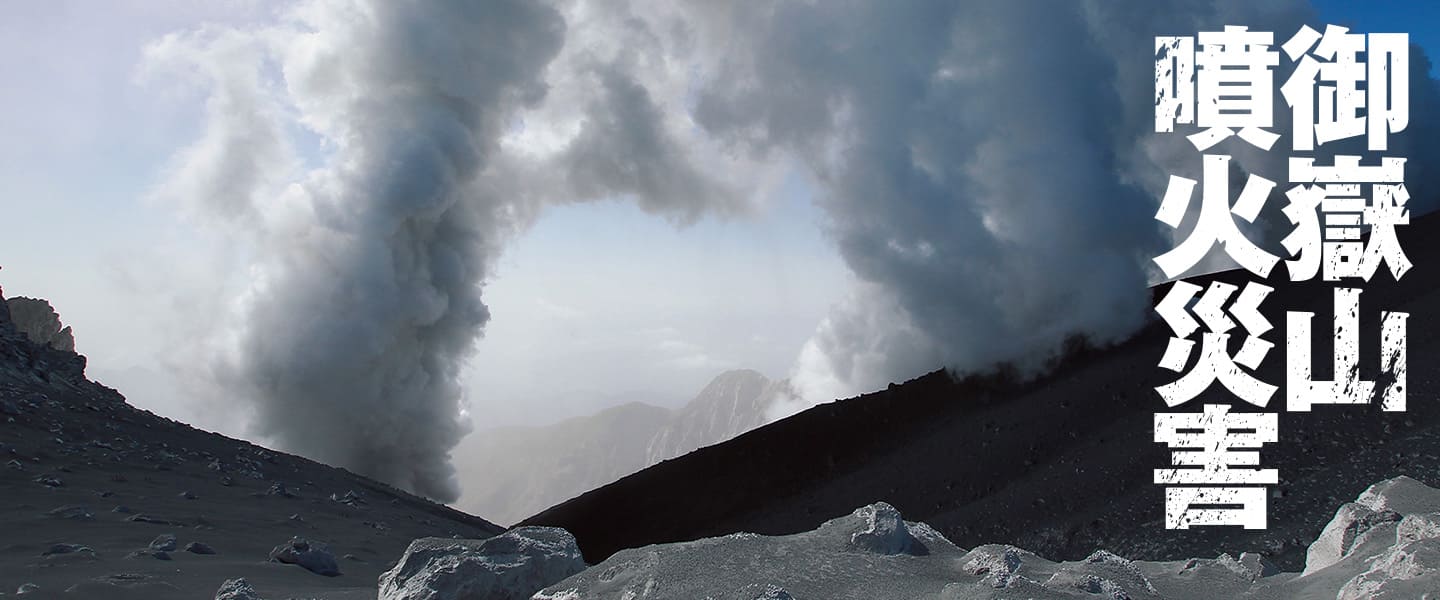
(1383, 546)
(101, 500)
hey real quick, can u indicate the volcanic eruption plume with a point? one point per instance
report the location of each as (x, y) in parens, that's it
(988, 171)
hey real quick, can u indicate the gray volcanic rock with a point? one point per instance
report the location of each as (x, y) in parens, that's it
(236, 589)
(38, 320)
(314, 557)
(1393, 552)
(199, 548)
(882, 531)
(511, 566)
(164, 543)
(1384, 546)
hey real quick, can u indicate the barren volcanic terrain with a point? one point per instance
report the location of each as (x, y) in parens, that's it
(94, 489)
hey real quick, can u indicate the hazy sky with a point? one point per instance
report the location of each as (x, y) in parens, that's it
(594, 304)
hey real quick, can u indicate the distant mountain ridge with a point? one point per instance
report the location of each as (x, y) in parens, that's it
(524, 470)
(731, 404)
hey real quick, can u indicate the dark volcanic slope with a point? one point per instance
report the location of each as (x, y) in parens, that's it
(1059, 466)
(75, 452)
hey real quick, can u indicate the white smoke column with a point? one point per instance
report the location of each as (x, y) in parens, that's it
(364, 300)
(370, 159)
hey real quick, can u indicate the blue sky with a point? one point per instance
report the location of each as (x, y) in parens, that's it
(1420, 19)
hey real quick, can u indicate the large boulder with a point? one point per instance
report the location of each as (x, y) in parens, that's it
(881, 530)
(1374, 514)
(513, 565)
(1351, 524)
(1409, 569)
(1383, 546)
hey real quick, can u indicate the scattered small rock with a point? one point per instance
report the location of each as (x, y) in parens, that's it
(351, 498)
(48, 481)
(75, 513)
(122, 509)
(278, 489)
(26, 588)
(236, 589)
(66, 549)
(199, 548)
(187, 495)
(149, 553)
(143, 518)
(163, 543)
(314, 557)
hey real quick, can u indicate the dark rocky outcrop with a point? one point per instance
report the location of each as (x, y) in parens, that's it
(33, 340)
(38, 320)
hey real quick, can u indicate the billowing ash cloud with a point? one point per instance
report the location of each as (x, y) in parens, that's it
(987, 171)
(990, 169)
(369, 159)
